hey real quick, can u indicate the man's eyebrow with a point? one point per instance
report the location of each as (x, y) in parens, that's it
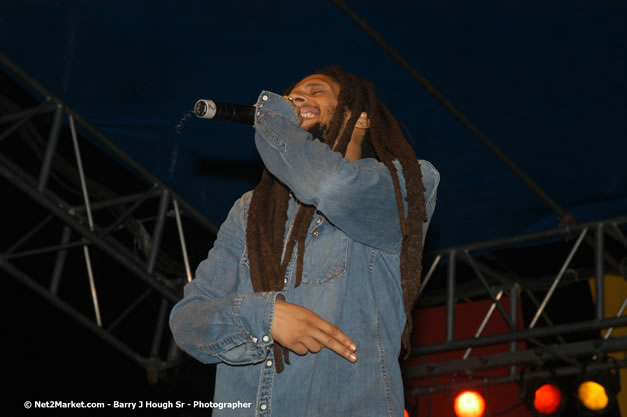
(310, 85)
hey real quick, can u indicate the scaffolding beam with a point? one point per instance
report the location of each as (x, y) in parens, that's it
(92, 219)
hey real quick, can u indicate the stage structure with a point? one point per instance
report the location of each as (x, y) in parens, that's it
(480, 281)
(470, 332)
(106, 210)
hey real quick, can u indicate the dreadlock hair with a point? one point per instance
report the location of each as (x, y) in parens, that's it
(267, 213)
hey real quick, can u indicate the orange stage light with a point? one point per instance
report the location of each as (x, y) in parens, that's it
(469, 404)
(548, 399)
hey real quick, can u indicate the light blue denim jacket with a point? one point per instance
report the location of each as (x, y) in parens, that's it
(351, 278)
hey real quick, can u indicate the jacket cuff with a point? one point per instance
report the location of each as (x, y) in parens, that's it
(269, 103)
(254, 313)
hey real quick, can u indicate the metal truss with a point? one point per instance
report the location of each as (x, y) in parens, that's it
(120, 247)
(563, 358)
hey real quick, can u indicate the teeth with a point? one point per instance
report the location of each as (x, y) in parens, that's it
(308, 115)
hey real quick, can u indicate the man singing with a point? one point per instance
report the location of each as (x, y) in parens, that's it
(305, 299)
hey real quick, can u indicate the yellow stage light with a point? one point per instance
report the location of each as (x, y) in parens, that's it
(592, 395)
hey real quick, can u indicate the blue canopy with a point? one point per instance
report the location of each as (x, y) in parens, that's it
(545, 82)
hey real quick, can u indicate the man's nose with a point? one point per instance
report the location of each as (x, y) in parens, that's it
(298, 99)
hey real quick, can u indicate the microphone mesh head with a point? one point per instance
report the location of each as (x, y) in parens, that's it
(205, 109)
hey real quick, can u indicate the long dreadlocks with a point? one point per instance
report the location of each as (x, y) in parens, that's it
(267, 214)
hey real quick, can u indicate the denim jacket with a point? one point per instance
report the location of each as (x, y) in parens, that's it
(351, 278)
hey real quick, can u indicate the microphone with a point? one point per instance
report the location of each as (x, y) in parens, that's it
(238, 113)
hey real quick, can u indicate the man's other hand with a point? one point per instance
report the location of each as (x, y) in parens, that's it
(302, 331)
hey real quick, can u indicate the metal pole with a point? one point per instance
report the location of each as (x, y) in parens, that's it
(557, 279)
(513, 312)
(434, 264)
(600, 275)
(90, 221)
(66, 308)
(60, 261)
(92, 285)
(174, 353)
(81, 173)
(47, 249)
(484, 282)
(502, 360)
(129, 310)
(558, 372)
(24, 238)
(156, 236)
(485, 321)
(161, 320)
(565, 231)
(450, 298)
(618, 234)
(546, 317)
(118, 201)
(620, 313)
(21, 115)
(498, 339)
(121, 219)
(50, 149)
(26, 115)
(179, 225)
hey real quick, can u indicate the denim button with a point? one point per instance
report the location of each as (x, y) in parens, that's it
(264, 98)
(316, 233)
(269, 363)
(263, 406)
(254, 339)
(265, 339)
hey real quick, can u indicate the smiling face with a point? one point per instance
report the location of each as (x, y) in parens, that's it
(315, 98)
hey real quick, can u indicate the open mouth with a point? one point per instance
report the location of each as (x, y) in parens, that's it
(309, 113)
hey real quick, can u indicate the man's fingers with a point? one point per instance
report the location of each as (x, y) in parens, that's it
(363, 122)
(338, 342)
(338, 335)
(301, 330)
(300, 349)
(313, 345)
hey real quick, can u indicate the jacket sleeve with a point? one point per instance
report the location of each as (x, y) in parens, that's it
(356, 197)
(220, 319)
